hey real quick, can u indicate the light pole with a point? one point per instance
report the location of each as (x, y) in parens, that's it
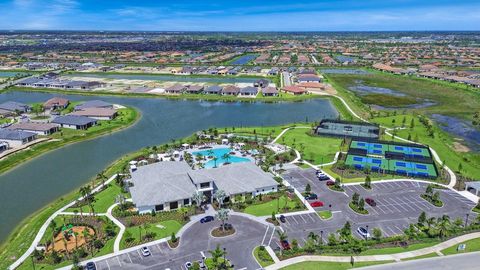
(224, 262)
(466, 220)
(366, 236)
(321, 237)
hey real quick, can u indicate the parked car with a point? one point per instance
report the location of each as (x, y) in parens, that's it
(311, 196)
(285, 245)
(206, 219)
(145, 251)
(282, 218)
(188, 265)
(316, 204)
(371, 202)
(363, 232)
(330, 183)
(90, 266)
(322, 176)
(202, 264)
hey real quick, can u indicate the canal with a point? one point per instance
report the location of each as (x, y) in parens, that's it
(42, 180)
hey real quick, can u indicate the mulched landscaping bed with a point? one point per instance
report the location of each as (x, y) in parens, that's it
(219, 232)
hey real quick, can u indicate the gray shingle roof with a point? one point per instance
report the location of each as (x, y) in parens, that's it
(214, 89)
(8, 134)
(13, 105)
(73, 120)
(93, 104)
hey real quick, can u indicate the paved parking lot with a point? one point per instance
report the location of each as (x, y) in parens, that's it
(195, 243)
(398, 205)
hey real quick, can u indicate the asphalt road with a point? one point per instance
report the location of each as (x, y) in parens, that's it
(195, 243)
(467, 261)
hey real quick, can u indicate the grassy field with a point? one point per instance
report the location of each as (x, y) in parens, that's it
(266, 209)
(393, 250)
(162, 229)
(330, 265)
(326, 214)
(471, 246)
(315, 149)
(103, 199)
(126, 118)
(450, 99)
(442, 142)
(430, 255)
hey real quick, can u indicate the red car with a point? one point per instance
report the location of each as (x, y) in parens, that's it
(330, 183)
(285, 245)
(316, 204)
(370, 202)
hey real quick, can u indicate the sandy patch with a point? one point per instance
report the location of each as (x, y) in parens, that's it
(458, 147)
(59, 244)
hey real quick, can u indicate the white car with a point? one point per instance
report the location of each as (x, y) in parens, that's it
(363, 232)
(145, 251)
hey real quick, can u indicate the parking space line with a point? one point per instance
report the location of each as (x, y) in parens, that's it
(303, 218)
(294, 219)
(393, 232)
(399, 228)
(271, 236)
(128, 254)
(373, 209)
(108, 265)
(139, 254)
(119, 263)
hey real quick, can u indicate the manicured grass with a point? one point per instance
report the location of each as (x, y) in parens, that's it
(393, 250)
(315, 149)
(262, 257)
(330, 265)
(471, 246)
(430, 255)
(169, 227)
(103, 199)
(266, 209)
(326, 214)
(442, 142)
(66, 136)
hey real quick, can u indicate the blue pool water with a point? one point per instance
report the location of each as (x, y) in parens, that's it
(219, 152)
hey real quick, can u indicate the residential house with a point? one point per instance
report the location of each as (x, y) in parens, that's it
(175, 89)
(194, 89)
(249, 91)
(75, 121)
(269, 91)
(97, 113)
(230, 90)
(56, 103)
(16, 138)
(93, 104)
(13, 106)
(38, 128)
(214, 89)
(261, 83)
(295, 90)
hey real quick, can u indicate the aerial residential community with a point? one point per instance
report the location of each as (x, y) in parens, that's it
(326, 135)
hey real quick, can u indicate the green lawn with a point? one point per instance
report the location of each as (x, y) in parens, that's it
(442, 142)
(266, 209)
(315, 149)
(329, 265)
(430, 255)
(326, 214)
(393, 250)
(472, 245)
(262, 257)
(169, 226)
(103, 199)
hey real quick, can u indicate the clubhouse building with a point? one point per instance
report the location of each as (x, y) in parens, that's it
(169, 185)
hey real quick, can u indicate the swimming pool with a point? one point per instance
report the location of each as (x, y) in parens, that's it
(219, 153)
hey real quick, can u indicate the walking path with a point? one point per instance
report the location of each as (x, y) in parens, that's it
(385, 257)
(116, 244)
(45, 225)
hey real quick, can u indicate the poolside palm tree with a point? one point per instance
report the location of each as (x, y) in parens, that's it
(215, 161)
(210, 152)
(222, 215)
(226, 157)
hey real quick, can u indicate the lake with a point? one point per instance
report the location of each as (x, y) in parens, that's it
(175, 78)
(7, 74)
(42, 180)
(242, 60)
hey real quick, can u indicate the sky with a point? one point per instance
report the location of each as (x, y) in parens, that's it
(240, 15)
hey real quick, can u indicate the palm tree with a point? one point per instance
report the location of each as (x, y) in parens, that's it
(220, 196)
(222, 215)
(198, 198)
(314, 237)
(53, 227)
(87, 196)
(75, 234)
(215, 161)
(226, 157)
(217, 253)
(282, 236)
(443, 226)
(86, 237)
(184, 212)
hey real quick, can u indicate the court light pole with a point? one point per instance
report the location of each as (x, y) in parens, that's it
(466, 220)
(366, 236)
(321, 237)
